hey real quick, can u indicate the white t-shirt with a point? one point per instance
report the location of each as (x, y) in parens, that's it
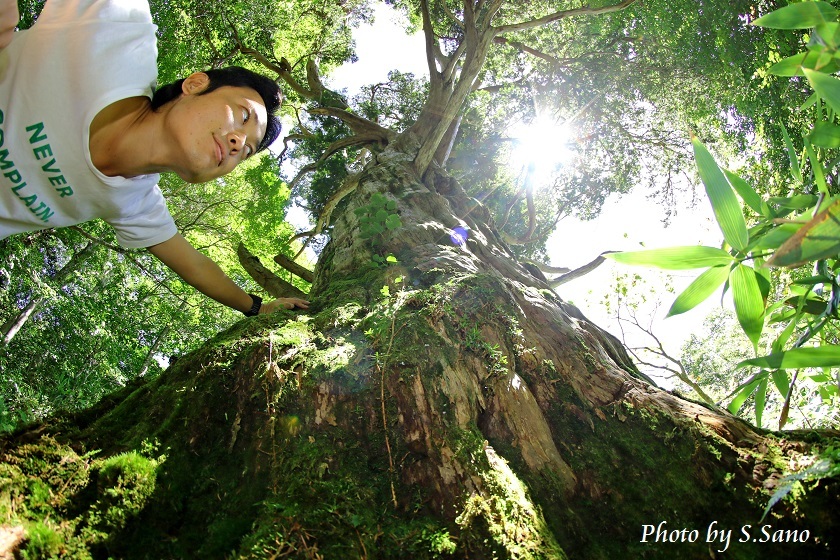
(78, 58)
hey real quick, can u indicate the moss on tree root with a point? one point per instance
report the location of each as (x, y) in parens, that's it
(273, 440)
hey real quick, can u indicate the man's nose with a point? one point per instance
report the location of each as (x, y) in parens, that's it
(235, 141)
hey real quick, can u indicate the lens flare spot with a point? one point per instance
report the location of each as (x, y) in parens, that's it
(459, 236)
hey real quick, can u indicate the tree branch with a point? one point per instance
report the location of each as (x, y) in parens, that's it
(357, 124)
(578, 272)
(289, 264)
(270, 282)
(526, 49)
(557, 16)
(429, 37)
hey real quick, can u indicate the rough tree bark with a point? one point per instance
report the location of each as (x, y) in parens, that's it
(465, 410)
(448, 404)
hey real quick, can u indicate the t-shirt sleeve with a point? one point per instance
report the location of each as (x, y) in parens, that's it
(149, 225)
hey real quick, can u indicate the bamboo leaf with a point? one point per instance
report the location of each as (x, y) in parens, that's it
(699, 290)
(825, 135)
(801, 15)
(748, 195)
(817, 239)
(816, 166)
(744, 392)
(675, 258)
(793, 65)
(749, 305)
(798, 202)
(781, 380)
(724, 202)
(777, 236)
(827, 355)
(826, 87)
(795, 169)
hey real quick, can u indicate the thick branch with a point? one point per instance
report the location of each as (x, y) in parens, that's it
(526, 49)
(578, 272)
(300, 271)
(356, 140)
(357, 124)
(557, 16)
(532, 217)
(429, 37)
(270, 282)
(349, 186)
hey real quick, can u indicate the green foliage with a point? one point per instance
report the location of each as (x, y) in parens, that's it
(826, 465)
(377, 218)
(809, 309)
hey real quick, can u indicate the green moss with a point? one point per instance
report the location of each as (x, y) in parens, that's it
(124, 483)
(42, 541)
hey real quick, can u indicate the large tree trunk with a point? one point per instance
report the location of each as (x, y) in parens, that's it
(465, 410)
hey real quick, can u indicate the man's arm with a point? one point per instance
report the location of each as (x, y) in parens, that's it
(204, 275)
(9, 18)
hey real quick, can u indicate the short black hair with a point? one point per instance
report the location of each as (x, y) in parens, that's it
(234, 76)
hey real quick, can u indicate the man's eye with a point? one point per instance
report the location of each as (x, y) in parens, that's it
(245, 116)
(248, 151)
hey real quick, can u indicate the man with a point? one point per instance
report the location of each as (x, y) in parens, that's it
(80, 137)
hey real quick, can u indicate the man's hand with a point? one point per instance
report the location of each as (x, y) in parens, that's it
(9, 18)
(284, 303)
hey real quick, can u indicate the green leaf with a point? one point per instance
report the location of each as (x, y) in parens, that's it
(378, 200)
(818, 239)
(699, 290)
(811, 101)
(797, 202)
(826, 34)
(776, 236)
(825, 135)
(675, 258)
(393, 222)
(801, 15)
(827, 355)
(826, 87)
(781, 380)
(795, 170)
(749, 305)
(745, 391)
(817, 168)
(812, 280)
(391, 259)
(725, 204)
(793, 65)
(391, 205)
(748, 195)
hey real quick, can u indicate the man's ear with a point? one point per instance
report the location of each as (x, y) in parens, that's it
(195, 83)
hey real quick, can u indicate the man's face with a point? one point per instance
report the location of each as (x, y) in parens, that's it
(214, 132)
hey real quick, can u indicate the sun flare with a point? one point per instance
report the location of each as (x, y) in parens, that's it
(543, 145)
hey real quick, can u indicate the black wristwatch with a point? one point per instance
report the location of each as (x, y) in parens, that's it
(255, 308)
